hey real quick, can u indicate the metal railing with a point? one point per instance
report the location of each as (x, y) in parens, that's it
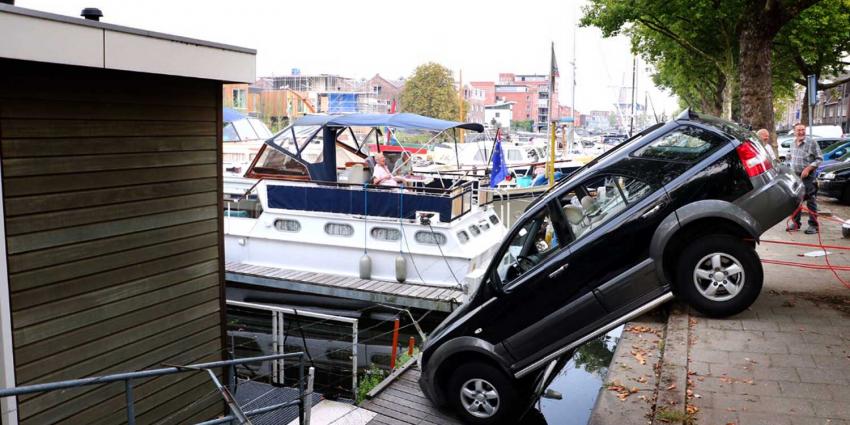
(304, 401)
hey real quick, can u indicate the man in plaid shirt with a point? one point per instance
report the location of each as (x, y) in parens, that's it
(805, 158)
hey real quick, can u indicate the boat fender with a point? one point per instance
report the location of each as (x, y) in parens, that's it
(400, 269)
(365, 267)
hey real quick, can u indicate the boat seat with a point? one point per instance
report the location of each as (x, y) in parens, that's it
(357, 174)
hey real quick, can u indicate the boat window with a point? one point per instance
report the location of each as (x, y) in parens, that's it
(430, 238)
(229, 133)
(274, 162)
(494, 219)
(463, 236)
(260, 128)
(484, 226)
(295, 138)
(339, 229)
(385, 234)
(514, 155)
(246, 132)
(287, 225)
(474, 230)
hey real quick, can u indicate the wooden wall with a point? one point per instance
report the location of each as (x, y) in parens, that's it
(112, 185)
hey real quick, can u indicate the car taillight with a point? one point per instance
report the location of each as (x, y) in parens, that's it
(755, 159)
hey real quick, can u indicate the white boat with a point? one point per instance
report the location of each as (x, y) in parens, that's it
(323, 216)
(242, 137)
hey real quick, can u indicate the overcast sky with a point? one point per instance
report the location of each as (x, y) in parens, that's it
(361, 38)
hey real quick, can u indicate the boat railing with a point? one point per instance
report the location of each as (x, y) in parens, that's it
(451, 201)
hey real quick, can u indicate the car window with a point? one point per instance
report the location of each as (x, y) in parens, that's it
(685, 144)
(600, 199)
(535, 241)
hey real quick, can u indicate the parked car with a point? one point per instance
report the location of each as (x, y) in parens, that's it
(834, 148)
(833, 181)
(673, 211)
(825, 143)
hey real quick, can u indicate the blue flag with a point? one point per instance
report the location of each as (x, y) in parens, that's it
(499, 171)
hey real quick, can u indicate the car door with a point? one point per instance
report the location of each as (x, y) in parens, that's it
(531, 309)
(612, 256)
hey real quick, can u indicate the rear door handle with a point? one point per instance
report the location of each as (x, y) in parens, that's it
(651, 211)
(558, 271)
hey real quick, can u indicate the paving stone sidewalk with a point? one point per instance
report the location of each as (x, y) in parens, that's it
(784, 361)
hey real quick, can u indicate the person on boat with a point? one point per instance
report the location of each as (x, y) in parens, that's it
(404, 165)
(382, 175)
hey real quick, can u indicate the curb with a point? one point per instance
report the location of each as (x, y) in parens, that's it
(673, 376)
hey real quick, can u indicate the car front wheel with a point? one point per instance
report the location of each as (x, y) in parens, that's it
(482, 394)
(719, 275)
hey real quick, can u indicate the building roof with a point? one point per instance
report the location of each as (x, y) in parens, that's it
(46, 37)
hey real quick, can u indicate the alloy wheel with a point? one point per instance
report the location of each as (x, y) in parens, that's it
(719, 276)
(479, 398)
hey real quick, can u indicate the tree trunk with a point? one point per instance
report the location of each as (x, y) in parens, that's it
(756, 82)
(728, 96)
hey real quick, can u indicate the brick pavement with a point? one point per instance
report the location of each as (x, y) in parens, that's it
(784, 361)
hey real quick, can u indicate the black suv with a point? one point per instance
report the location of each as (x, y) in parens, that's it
(675, 210)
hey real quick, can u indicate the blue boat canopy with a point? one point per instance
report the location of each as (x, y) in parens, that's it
(404, 121)
(230, 115)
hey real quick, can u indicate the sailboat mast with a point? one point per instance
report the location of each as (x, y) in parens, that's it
(550, 166)
(460, 104)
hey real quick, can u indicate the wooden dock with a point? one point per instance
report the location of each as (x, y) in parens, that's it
(378, 291)
(402, 403)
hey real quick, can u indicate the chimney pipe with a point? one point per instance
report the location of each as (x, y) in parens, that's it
(91, 13)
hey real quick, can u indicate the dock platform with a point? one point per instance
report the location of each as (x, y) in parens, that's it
(377, 291)
(402, 403)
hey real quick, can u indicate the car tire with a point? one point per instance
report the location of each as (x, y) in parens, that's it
(719, 275)
(476, 388)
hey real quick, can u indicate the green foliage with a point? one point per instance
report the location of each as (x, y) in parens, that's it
(594, 356)
(403, 358)
(694, 45)
(816, 42)
(369, 380)
(674, 416)
(523, 125)
(431, 92)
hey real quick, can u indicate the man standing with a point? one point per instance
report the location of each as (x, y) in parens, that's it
(805, 158)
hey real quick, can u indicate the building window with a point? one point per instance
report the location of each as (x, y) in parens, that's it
(287, 225)
(385, 234)
(339, 229)
(430, 238)
(463, 236)
(239, 101)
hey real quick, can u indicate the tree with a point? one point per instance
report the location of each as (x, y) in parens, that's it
(690, 39)
(815, 43)
(734, 36)
(431, 92)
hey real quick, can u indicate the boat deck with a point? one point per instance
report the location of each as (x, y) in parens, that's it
(402, 403)
(378, 291)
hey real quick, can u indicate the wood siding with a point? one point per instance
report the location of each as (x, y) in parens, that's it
(112, 185)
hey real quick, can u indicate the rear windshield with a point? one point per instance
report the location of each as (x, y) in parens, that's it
(684, 144)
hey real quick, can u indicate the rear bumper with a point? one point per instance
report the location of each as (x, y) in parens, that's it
(776, 194)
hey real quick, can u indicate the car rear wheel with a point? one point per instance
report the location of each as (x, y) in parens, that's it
(482, 394)
(719, 275)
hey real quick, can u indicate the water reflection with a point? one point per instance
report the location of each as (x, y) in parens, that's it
(580, 380)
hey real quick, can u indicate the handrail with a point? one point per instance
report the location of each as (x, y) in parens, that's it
(128, 377)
